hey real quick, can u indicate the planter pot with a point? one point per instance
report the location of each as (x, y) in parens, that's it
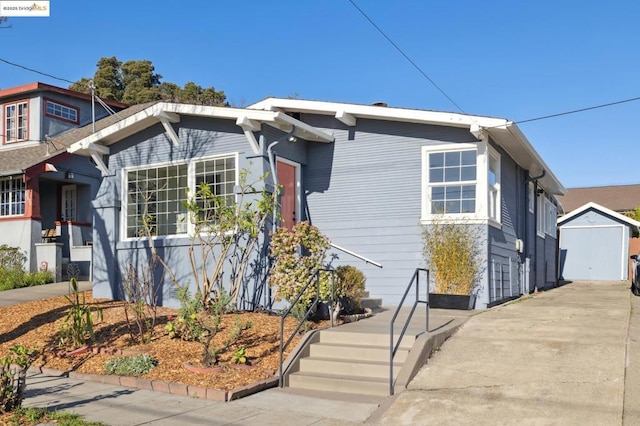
(321, 313)
(451, 301)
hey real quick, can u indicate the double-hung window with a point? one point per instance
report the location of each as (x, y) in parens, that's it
(156, 195)
(12, 196)
(16, 122)
(452, 181)
(461, 181)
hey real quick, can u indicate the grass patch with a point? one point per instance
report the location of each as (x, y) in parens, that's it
(28, 416)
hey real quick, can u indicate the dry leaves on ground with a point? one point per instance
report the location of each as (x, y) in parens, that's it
(37, 324)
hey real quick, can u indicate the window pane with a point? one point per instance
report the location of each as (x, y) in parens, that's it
(436, 159)
(452, 174)
(468, 173)
(468, 206)
(437, 193)
(469, 192)
(437, 207)
(468, 158)
(453, 192)
(452, 158)
(436, 175)
(452, 207)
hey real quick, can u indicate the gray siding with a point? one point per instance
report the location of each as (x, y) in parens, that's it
(112, 254)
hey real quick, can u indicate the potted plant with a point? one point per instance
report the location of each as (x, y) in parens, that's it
(454, 256)
(349, 288)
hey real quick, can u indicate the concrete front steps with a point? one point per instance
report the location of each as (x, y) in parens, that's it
(351, 362)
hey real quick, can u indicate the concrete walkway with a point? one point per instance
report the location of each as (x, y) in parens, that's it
(26, 294)
(557, 358)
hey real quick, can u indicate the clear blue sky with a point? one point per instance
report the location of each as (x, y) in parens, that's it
(516, 60)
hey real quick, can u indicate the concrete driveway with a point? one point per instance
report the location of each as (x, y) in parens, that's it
(557, 357)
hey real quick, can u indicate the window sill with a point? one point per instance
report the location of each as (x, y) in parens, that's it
(496, 224)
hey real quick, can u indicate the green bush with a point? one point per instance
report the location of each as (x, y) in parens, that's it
(350, 282)
(134, 365)
(11, 258)
(12, 273)
(12, 278)
(13, 375)
(38, 278)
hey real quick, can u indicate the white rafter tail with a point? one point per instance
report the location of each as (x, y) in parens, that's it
(97, 158)
(166, 118)
(248, 127)
(346, 119)
(477, 131)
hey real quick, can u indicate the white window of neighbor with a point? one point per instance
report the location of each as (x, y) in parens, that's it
(12, 196)
(16, 121)
(58, 110)
(156, 195)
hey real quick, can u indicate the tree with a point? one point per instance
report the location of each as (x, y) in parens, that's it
(135, 82)
(634, 214)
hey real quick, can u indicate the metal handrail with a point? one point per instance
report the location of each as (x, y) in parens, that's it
(393, 346)
(354, 254)
(283, 346)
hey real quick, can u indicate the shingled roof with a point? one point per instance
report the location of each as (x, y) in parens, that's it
(619, 198)
(17, 160)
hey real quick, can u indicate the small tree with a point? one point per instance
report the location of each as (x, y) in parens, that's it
(453, 253)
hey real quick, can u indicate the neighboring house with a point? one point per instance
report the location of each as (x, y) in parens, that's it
(594, 244)
(368, 177)
(44, 190)
(597, 203)
(619, 198)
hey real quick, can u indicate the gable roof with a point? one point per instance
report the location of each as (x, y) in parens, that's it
(619, 198)
(16, 160)
(166, 112)
(40, 87)
(504, 132)
(634, 224)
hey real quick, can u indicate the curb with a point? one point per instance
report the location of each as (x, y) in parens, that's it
(162, 386)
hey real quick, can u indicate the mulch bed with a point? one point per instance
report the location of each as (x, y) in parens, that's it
(37, 324)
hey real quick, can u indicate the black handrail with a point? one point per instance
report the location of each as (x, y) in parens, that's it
(393, 346)
(283, 346)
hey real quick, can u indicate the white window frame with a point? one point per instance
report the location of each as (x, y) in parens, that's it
(540, 216)
(494, 202)
(550, 218)
(483, 153)
(69, 196)
(11, 125)
(59, 109)
(14, 197)
(532, 199)
(189, 227)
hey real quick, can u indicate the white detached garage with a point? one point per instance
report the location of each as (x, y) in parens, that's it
(594, 244)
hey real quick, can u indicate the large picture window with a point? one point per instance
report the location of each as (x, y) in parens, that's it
(12, 196)
(156, 195)
(16, 122)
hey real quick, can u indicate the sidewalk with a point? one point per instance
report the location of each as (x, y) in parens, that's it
(556, 358)
(115, 405)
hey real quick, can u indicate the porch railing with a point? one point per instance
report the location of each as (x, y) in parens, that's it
(393, 345)
(314, 277)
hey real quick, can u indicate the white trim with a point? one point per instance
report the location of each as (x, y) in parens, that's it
(151, 115)
(504, 132)
(591, 205)
(495, 155)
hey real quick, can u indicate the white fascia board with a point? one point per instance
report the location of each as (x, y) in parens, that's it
(346, 119)
(379, 113)
(591, 205)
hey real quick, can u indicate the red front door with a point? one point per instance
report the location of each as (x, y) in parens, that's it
(288, 194)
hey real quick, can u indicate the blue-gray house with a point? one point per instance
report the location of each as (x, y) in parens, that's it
(369, 177)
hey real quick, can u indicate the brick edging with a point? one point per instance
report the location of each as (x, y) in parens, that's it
(162, 386)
